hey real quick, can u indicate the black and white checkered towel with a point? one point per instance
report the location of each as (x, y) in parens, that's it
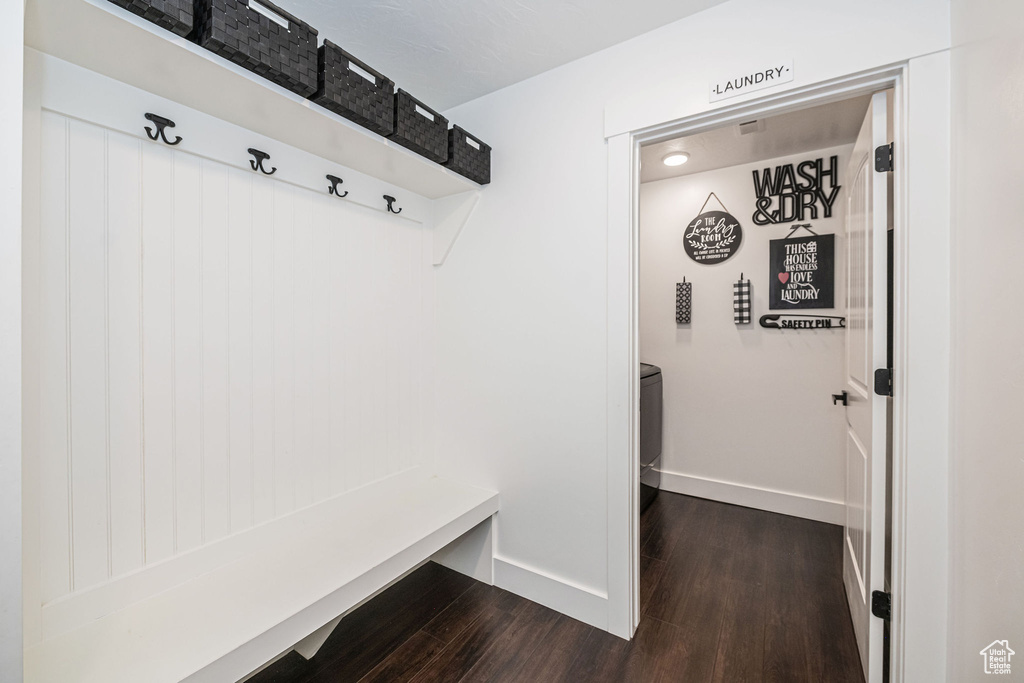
(741, 302)
(684, 298)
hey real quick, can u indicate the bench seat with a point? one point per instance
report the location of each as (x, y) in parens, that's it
(223, 624)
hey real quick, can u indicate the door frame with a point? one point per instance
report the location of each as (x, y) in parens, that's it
(920, 478)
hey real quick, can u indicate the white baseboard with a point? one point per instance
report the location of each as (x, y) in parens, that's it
(580, 603)
(793, 504)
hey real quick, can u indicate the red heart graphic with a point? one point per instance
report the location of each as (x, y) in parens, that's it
(783, 278)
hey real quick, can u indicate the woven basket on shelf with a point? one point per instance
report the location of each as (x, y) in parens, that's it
(468, 155)
(420, 128)
(173, 15)
(267, 41)
(343, 90)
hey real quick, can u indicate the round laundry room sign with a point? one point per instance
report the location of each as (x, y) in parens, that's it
(712, 237)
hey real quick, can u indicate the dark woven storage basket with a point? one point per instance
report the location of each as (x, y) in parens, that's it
(465, 159)
(371, 104)
(235, 31)
(173, 15)
(416, 131)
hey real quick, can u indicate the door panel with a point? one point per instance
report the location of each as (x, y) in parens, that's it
(867, 223)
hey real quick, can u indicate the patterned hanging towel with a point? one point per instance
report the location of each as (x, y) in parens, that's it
(741, 301)
(684, 297)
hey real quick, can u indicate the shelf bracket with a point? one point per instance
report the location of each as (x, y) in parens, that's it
(450, 216)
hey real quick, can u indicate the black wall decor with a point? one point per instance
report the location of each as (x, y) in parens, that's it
(713, 236)
(792, 321)
(788, 194)
(741, 301)
(802, 273)
(684, 302)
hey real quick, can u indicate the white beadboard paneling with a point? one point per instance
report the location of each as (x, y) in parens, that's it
(321, 357)
(341, 249)
(157, 351)
(240, 348)
(54, 446)
(263, 348)
(187, 278)
(88, 316)
(215, 273)
(124, 328)
(302, 351)
(284, 355)
(217, 349)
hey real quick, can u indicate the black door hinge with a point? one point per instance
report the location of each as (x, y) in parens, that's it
(883, 157)
(883, 382)
(881, 604)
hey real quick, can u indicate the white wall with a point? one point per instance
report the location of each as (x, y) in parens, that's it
(11, 81)
(987, 569)
(522, 299)
(744, 405)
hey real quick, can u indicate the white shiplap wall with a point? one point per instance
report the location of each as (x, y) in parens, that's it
(217, 349)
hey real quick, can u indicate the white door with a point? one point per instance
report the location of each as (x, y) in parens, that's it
(866, 227)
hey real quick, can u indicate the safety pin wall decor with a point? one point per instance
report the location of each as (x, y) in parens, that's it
(391, 200)
(791, 321)
(160, 134)
(333, 189)
(257, 161)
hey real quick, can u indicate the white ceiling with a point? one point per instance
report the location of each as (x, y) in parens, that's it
(446, 52)
(806, 130)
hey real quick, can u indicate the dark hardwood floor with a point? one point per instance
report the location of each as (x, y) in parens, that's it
(727, 594)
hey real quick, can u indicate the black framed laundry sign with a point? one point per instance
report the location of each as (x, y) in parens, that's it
(713, 236)
(802, 272)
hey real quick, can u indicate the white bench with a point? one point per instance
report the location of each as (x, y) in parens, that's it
(288, 579)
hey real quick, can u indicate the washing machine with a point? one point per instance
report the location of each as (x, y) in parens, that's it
(650, 433)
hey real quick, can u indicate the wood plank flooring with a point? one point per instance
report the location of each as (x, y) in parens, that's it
(727, 594)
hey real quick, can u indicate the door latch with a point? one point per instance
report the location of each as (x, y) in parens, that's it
(843, 397)
(881, 604)
(883, 382)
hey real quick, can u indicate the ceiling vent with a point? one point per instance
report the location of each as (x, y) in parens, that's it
(751, 127)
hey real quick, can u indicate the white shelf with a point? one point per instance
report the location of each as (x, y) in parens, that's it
(102, 37)
(303, 570)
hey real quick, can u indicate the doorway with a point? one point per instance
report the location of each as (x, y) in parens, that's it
(915, 501)
(770, 218)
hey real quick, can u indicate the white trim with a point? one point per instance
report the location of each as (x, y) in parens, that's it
(922, 378)
(578, 602)
(757, 497)
(623, 391)
(11, 335)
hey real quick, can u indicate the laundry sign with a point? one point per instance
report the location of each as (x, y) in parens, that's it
(802, 271)
(765, 76)
(713, 236)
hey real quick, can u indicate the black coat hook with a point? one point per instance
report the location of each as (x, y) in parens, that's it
(391, 200)
(159, 133)
(257, 161)
(333, 189)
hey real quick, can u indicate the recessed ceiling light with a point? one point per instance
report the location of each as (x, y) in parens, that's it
(676, 159)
